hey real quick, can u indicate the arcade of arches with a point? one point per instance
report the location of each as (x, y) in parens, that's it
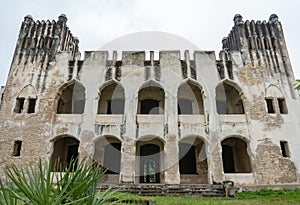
(150, 158)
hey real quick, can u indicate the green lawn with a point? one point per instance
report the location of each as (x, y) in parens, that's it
(264, 197)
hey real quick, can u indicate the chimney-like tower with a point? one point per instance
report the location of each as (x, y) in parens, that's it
(40, 40)
(261, 44)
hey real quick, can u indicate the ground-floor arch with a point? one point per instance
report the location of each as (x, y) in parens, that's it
(235, 156)
(150, 161)
(108, 155)
(193, 166)
(65, 149)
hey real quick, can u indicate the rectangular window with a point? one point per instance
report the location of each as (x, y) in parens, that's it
(282, 106)
(19, 105)
(31, 105)
(270, 105)
(284, 149)
(17, 148)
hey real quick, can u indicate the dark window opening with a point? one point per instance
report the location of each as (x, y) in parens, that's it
(115, 106)
(17, 148)
(227, 157)
(282, 106)
(149, 164)
(31, 105)
(112, 158)
(19, 105)
(270, 105)
(149, 106)
(185, 107)
(284, 149)
(187, 159)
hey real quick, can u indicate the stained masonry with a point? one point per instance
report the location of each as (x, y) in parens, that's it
(171, 120)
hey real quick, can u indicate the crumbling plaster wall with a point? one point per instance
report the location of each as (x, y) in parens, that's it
(38, 129)
(267, 130)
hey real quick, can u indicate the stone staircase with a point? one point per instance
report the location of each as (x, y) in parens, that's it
(205, 190)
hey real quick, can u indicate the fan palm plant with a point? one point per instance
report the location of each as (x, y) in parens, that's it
(37, 185)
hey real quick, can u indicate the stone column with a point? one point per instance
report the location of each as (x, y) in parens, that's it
(172, 175)
(128, 160)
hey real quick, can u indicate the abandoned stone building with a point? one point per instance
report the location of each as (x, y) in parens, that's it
(173, 118)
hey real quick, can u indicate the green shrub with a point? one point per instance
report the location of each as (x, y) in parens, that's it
(36, 185)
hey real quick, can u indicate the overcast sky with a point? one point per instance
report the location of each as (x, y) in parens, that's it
(97, 22)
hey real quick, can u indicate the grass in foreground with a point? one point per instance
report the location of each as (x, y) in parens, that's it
(262, 197)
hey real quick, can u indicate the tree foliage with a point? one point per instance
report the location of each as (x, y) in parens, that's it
(297, 84)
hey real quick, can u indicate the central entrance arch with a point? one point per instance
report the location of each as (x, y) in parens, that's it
(149, 163)
(150, 160)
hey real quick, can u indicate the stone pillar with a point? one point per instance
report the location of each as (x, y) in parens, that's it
(172, 175)
(128, 160)
(86, 146)
(128, 152)
(215, 151)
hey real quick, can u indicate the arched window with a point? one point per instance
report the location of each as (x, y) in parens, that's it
(72, 99)
(234, 155)
(228, 100)
(189, 99)
(26, 100)
(112, 100)
(151, 100)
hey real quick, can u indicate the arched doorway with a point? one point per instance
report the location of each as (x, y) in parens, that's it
(150, 160)
(193, 166)
(149, 163)
(108, 155)
(235, 156)
(64, 152)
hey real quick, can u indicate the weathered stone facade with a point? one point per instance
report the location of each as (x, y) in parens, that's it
(175, 119)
